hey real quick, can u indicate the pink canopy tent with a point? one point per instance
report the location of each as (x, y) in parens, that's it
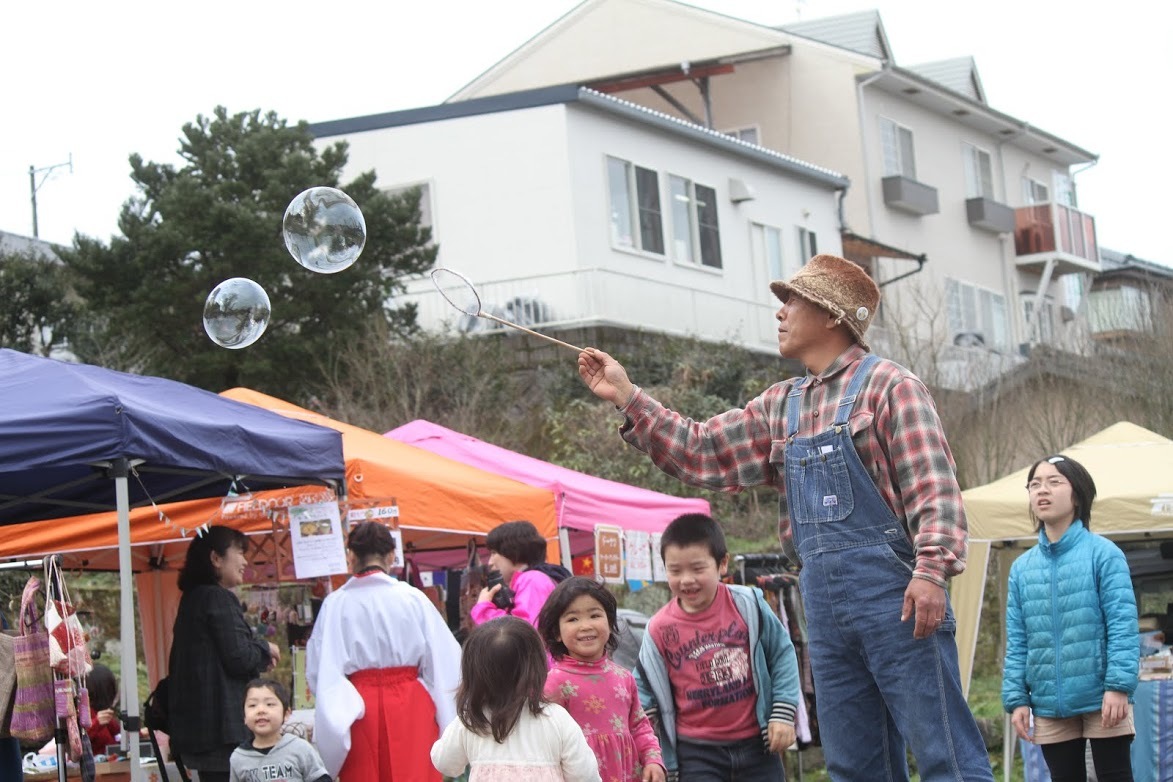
(582, 500)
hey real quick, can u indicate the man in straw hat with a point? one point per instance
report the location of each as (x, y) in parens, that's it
(868, 503)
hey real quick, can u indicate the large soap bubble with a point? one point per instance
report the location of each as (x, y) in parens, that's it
(236, 313)
(324, 229)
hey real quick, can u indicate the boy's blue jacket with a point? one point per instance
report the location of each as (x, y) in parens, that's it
(775, 672)
(1071, 626)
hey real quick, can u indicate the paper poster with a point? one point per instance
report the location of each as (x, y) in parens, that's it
(659, 572)
(609, 553)
(302, 697)
(317, 541)
(387, 515)
(638, 548)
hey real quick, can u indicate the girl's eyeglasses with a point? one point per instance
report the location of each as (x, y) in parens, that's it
(1054, 482)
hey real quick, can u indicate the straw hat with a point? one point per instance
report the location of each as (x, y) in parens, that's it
(839, 286)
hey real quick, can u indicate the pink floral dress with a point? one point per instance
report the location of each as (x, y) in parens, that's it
(602, 699)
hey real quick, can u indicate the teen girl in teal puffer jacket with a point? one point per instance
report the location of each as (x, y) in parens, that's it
(1072, 643)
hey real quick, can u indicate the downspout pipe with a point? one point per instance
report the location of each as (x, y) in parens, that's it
(863, 141)
(920, 265)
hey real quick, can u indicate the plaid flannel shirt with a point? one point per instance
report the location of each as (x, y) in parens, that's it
(894, 427)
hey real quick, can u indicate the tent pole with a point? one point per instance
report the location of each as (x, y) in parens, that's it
(564, 548)
(131, 722)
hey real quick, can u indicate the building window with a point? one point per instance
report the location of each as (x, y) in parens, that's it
(979, 173)
(768, 255)
(425, 188)
(1120, 309)
(635, 204)
(1034, 192)
(808, 244)
(1042, 328)
(976, 316)
(1073, 290)
(696, 236)
(748, 135)
(896, 144)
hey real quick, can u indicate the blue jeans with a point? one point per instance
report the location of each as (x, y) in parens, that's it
(740, 761)
(877, 687)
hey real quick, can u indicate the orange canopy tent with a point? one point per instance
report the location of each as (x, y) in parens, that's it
(442, 504)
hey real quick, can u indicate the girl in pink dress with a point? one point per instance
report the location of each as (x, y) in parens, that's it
(579, 627)
(505, 729)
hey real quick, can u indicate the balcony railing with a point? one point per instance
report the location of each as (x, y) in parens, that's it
(1055, 228)
(588, 297)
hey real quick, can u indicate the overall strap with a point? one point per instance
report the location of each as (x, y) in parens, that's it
(793, 407)
(843, 412)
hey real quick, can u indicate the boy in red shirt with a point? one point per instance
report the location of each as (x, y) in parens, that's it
(717, 671)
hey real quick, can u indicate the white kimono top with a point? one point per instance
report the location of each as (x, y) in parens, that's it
(369, 623)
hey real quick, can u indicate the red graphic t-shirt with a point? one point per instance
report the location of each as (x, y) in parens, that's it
(708, 661)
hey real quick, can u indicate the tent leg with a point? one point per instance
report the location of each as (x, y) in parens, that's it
(131, 723)
(564, 546)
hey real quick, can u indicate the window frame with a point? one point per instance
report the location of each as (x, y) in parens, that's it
(989, 312)
(808, 244)
(739, 133)
(643, 222)
(900, 134)
(692, 229)
(1031, 189)
(427, 201)
(979, 178)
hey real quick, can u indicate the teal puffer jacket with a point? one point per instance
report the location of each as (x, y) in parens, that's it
(1071, 626)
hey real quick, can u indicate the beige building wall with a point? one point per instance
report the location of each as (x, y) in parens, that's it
(570, 50)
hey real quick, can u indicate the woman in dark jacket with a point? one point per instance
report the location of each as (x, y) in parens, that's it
(214, 654)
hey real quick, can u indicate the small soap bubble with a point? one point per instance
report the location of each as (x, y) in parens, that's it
(236, 313)
(324, 230)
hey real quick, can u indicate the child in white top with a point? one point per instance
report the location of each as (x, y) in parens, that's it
(506, 730)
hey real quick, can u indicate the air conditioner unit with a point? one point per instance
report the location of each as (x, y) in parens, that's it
(969, 339)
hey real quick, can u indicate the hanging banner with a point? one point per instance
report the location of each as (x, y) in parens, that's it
(609, 553)
(315, 534)
(659, 572)
(638, 550)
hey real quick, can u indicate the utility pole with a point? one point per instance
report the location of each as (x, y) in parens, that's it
(34, 186)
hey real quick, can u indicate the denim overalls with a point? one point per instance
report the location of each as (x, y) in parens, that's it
(875, 685)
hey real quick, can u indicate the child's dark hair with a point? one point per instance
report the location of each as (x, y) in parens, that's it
(102, 687)
(1083, 488)
(559, 601)
(692, 529)
(519, 542)
(277, 688)
(197, 566)
(370, 539)
(503, 671)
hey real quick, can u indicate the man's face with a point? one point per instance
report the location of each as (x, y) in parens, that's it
(801, 326)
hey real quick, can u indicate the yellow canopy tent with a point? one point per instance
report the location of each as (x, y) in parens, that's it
(1133, 471)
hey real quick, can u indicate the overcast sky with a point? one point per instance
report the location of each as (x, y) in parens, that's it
(100, 81)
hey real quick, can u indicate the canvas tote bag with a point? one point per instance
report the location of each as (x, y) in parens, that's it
(33, 715)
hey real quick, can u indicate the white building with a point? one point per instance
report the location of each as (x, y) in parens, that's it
(570, 208)
(965, 216)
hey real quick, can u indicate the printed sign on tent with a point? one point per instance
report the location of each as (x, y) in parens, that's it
(609, 553)
(389, 516)
(316, 540)
(659, 572)
(639, 556)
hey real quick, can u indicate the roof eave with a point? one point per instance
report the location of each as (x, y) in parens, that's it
(1076, 154)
